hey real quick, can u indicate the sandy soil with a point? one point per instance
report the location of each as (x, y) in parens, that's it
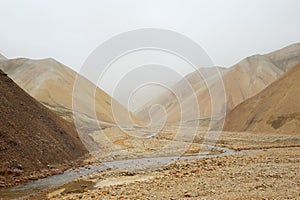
(269, 169)
(117, 145)
(275, 109)
(267, 174)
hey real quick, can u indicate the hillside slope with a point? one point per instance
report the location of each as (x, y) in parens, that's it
(275, 109)
(31, 136)
(240, 82)
(51, 83)
(2, 57)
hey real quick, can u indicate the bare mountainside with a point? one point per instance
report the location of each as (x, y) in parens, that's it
(2, 57)
(32, 138)
(275, 109)
(240, 82)
(51, 83)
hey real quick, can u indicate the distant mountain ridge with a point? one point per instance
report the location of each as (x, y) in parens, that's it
(241, 81)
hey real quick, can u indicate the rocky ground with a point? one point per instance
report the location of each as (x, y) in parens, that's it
(262, 174)
(267, 167)
(34, 142)
(171, 141)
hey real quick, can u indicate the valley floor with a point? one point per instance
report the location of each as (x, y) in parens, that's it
(266, 174)
(268, 169)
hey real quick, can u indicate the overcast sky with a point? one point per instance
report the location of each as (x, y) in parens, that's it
(69, 30)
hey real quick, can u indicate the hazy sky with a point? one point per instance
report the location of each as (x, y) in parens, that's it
(68, 30)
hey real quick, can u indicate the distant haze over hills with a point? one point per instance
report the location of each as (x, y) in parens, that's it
(241, 81)
(216, 89)
(2, 57)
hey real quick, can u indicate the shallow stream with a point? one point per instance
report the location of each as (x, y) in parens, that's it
(73, 174)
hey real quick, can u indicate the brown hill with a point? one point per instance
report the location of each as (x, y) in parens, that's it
(2, 57)
(193, 84)
(31, 136)
(51, 83)
(275, 109)
(285, 58)
(240, 82)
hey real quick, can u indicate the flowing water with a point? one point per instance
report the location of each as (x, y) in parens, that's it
(73, 174)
